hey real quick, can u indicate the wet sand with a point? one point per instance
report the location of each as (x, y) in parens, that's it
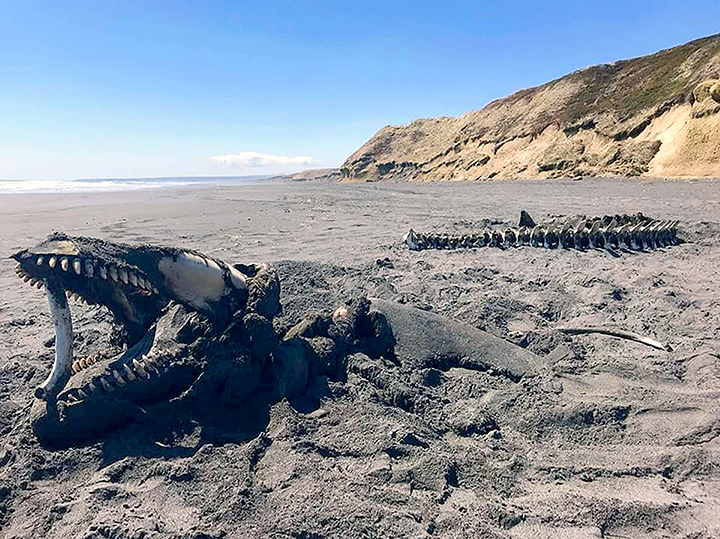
(613, 439)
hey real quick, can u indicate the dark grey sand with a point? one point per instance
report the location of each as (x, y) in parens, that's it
(613, 439)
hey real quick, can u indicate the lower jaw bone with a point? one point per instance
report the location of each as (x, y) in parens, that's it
(62, 366)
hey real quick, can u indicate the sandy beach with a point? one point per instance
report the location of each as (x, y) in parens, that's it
(612, 439)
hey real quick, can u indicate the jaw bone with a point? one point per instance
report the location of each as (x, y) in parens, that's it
(62, 365)
(134, 282)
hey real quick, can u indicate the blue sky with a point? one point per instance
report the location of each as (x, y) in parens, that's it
(108, 89)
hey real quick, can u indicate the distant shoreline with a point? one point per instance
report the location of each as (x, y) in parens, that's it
(109, 185)
(121, 185)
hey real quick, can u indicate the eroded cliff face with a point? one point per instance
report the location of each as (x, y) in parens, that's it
(657, 115)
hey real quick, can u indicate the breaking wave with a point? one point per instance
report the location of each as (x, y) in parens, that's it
(108, 185)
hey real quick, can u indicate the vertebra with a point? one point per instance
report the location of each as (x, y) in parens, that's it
(635, 232)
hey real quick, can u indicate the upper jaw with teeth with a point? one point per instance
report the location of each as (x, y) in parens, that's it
(136, 283)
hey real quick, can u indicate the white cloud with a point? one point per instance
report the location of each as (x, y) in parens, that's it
(255, 159)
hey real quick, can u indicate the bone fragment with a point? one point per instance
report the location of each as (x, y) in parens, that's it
(411, 240)
(617, 333)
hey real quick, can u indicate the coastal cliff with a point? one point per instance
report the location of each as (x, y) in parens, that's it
(656, 116)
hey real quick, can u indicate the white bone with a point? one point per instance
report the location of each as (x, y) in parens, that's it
(119, 378)
(62, 365)
(193, 279)
(237, 279)
(140, 369)
(129, 373)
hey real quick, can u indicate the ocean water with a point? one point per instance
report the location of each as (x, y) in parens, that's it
(122, 184)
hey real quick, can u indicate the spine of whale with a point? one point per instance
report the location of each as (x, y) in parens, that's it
(584, 235)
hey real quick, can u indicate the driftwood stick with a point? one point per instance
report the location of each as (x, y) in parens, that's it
(629, 335)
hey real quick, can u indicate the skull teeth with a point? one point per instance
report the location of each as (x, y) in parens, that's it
(129, 373)
(150, 364)
(140, 369)
(119, 378)
(90, 269)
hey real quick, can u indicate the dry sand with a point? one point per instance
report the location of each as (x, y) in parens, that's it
(614, 439)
